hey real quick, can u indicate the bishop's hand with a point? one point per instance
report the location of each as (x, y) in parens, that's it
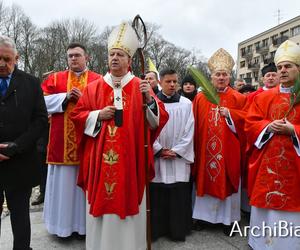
(282, 126)
(107, 113)
(145, 89)
(224, 112)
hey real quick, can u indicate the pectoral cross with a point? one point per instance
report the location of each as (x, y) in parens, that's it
(117, 85)
(216, 116)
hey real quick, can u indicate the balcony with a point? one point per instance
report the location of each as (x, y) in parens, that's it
(254, 66)
(277, 41)
(262, 49)
(248, 54)
(268, 59)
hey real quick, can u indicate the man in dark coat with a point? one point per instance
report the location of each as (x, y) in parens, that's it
(23, 117)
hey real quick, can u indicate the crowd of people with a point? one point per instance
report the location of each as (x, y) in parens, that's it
(112, 135)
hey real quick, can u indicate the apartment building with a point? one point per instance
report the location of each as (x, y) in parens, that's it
(259, 50)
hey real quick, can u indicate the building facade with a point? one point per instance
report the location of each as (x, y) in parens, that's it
(259, 50)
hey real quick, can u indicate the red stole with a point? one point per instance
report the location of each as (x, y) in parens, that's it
(62, 147)
(274, 170)
(112, 168)
(217, 148)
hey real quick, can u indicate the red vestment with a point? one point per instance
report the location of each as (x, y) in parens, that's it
(274, 170)
(217, 148)
(112, 165)
(62, 147)
(253, 94)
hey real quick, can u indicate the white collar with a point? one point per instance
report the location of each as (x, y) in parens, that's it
(124, 81)
(265, 88)
(222, 91)
(285, 90)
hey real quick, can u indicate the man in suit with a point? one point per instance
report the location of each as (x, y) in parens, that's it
(23, 117)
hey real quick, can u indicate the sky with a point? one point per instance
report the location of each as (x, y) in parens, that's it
(201, 25)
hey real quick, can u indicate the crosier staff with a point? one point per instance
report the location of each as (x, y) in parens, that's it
(140, 29)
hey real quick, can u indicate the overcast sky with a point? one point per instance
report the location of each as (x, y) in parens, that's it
(204, 25)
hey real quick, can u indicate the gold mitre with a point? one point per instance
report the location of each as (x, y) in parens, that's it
(123, 37)
(288, 51)
(221, 60)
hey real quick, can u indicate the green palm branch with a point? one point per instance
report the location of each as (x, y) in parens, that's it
(206, 86)
(295, 95)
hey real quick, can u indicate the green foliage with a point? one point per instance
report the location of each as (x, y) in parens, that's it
(207, 88)
(295, 94)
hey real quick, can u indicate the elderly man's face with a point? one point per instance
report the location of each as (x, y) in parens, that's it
(287, 72)
(239, 84)
(271, 79)
(220, 79)
(77, 59)
(8, 60)
(118, 62)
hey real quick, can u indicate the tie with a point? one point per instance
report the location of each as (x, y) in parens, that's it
(3, 85)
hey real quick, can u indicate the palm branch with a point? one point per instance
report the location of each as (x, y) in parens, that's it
(295, 95)
(207, 88)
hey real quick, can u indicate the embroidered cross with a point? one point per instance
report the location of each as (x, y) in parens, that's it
(117, 85)
(118, 98)
(216, 117)
(286, 46)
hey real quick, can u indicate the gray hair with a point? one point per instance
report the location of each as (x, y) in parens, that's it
(8, 42)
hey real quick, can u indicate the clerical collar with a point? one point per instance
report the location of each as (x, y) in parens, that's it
(124, 80)
(285, 89)
(222, 90)
(265, 88)
(168, 99)
(80, 72)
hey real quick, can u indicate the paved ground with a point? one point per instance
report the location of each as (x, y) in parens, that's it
(211, 238)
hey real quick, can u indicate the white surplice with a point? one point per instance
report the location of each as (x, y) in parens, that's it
(272, 218)
(64, 206)
(176, 135)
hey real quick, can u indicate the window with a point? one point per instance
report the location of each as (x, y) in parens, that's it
(265, 42)
(242, 76)
(274, 39)
(272, 55)
(248, 75)
(295, 31)
(249, 48)
(255, 74)
(243, 52)
(256, 60)
(284, 33)
(242, 64)
(257, 45)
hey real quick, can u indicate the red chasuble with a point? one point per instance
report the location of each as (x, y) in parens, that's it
(253, 94)
(274, 170)
(112, 169)
(62, 147)
(217, 148)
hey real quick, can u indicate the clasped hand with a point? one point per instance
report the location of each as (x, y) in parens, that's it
(282, 126)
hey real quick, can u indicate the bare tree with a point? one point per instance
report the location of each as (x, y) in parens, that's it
(44, 49)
